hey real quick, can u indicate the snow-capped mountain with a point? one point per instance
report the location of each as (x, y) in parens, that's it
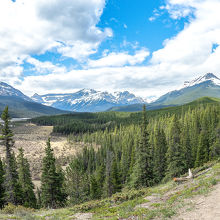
(207, 85)
(207, 77)
(87, 100)
(7, 90)
(21, 105)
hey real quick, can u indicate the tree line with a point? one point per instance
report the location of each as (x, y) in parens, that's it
(16, 186)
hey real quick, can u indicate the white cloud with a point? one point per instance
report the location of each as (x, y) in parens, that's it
(193, 45)
(183, 57)
(33, 27)
(120, 59)
(45, 67)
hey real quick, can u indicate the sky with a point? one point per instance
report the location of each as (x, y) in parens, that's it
(147, 47)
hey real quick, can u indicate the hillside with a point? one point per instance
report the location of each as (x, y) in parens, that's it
(137, 107)
(207, 85)
(84, 122)
(20, 108)
(195, 199)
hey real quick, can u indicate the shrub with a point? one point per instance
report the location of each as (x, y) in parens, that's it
(12, 209)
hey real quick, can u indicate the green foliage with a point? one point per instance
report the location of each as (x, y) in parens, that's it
(24, 178)
(175, 154)
(13, 209)
(142, 174)
(159, 154)
(52, 191)
(136, 155)
(2, 190)
(11, 184)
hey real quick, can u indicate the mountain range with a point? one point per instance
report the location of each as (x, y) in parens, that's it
(21, 106)
(207, 85)
(90, 100)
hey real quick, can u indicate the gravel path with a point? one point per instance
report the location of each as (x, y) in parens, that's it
(206, 207)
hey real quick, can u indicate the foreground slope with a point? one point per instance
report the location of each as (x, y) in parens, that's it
(194, 199)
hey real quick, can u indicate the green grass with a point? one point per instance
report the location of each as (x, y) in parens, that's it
(125, 204)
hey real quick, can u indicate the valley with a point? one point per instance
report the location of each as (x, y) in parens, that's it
(115, 164)
(32, 139)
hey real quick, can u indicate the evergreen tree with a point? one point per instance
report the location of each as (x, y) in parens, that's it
(186, 144)
(100, 178)
(77, 181)
(52, 195)
(175, 155)
(108, 188)
(142, 174)
(215, 148)
(160, 149)
(2, 190)
(203, 150)
(116, 177)
(39, 202)
(94, 188)
(11, 184)
(24, 175)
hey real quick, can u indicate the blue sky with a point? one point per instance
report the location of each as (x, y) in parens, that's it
(147, 47)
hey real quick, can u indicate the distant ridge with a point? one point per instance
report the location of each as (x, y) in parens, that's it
(21, 106)
(207, 85)
(88, 100)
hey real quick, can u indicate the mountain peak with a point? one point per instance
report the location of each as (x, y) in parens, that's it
(207, 77)
(7, 90)
(88, 100)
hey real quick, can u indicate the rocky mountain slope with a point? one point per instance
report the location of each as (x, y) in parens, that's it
(207, 85)
(20, 105)
(7, 90)
(87, 100)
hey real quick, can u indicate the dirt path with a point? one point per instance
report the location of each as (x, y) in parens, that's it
(205, 207)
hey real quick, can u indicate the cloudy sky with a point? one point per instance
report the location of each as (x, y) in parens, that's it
(145, 46)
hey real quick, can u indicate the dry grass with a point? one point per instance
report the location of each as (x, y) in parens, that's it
(32, 139)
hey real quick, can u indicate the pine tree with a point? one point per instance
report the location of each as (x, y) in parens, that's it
(38, 195)
(2, 190)
(108, 188)
(115, 176)
(52, 195)
(24, 175)
(142, 174)
(94, 188)
(77, 181)
(203, 150)
(100, 178)
(215, 148)
(186, 145)
(160, 149)
(11, 184)
(175, 155)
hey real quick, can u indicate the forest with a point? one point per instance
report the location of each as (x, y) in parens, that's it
(122, 150)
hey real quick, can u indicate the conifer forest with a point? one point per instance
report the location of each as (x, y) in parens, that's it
(121, 150)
